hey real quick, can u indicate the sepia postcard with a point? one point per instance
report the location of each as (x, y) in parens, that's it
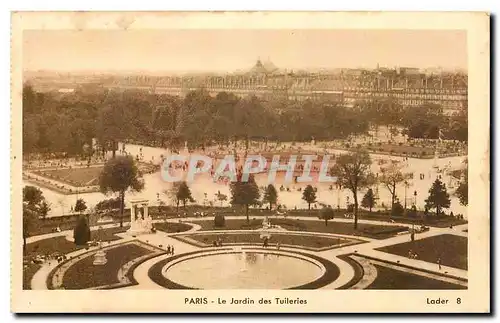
(250, 162)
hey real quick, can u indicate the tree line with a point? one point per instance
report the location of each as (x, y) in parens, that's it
(65, 123)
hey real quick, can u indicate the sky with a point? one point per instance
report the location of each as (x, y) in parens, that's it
(231, 50)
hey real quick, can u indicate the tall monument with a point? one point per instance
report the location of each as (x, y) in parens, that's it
(140, 220)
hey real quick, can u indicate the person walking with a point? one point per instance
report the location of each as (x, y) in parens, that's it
(439, 263)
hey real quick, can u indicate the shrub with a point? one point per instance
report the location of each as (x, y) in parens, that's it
(109, 204)
(350, 208)
(219, 221)
(412, 213)
(397, 209)
(81, 233)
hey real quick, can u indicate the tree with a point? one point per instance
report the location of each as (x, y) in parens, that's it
(118, 175)
(80, 205)
(326, 214)
(270, 196)
(398, 209)
(184, 194)
(463, 193)
(219, 221)
(110, 126)
(44, 209)
(172, 193)
(438, 197)
(32, 195)
(391, 177)
(463, 188)
(245, 193)
(81, 232)
(353, 172)
(368, 200)
(309, 195)
(30, 217)
(221, 197)
(34, 207)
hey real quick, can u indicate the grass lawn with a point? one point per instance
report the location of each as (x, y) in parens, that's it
(79, 177)
(308, 241)
(450, 248)
(49, 246)
(365, 230)
(388, 278)
(232, 224)
(172, 227)
(83, 274)
(29, 271)
(61, 245)
(57, 245)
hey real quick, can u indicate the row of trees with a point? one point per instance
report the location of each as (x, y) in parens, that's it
(66, 123)
(352, 170)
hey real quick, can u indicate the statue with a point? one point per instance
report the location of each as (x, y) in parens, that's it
(100, 257)
(265, 223)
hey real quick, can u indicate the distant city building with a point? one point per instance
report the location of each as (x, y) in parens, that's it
(408, 86)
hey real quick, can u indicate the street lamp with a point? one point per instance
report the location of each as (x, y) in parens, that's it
(338, 195)
(415, 196)
(406, 186)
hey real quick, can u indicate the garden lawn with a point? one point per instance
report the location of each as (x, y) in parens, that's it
(83, 274)
(172, 227)
(29, 271)
(365, 230)
(79, 177)
(232, 224)
(308, 241)
(450, 248)
(59, 245)
(388, 278)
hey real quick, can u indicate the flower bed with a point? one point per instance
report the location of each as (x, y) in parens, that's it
(294, 240)
(172, 227)
(388, 278)
(83, 274)
(451, 249)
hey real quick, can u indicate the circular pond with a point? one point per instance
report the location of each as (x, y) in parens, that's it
(244, 270)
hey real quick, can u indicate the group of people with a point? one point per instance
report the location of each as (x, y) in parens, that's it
(412, 255)
(170, 250)
(217, 242)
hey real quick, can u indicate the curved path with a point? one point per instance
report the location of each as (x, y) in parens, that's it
(347, 272)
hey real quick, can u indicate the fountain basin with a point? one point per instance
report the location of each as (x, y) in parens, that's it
(247, 269)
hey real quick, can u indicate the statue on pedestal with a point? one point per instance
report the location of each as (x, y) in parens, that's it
(100, 256)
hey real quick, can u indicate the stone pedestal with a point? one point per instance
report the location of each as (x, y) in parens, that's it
(140, 220)
(100, 258)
